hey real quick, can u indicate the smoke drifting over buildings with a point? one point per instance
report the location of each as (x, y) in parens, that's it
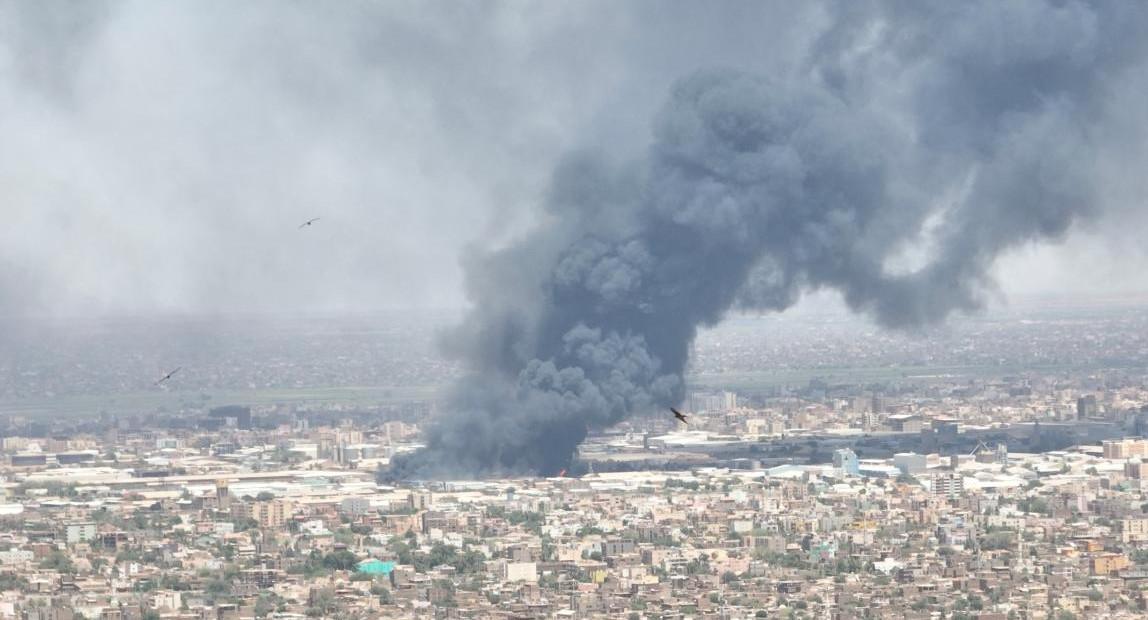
(921, 142)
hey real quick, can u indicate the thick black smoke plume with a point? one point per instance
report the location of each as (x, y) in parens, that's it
(959, 129)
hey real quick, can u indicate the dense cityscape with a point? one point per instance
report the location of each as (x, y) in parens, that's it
(521, 310)
(988, 470)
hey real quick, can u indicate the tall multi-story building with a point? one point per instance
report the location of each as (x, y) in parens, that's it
(261, 577)
(79, 532)
(355, 506)
(1109, 563)
(846, 460)
(1002, 454)
(519, 571)
(1086, 407)
(1133, 530)
(273, 514)
(1136, 469)
(14, 557)
(1124, 448)
(910, 462)
(904, 423)
(222, 494)
(707, 401)
(946, 426)
(948, 485)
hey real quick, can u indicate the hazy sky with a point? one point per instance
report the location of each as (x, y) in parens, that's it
(158, 156)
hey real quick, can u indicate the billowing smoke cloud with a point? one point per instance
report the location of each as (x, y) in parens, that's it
(157, 157)
(922, 141)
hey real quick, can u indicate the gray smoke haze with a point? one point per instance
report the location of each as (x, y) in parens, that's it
(155, 157)
(917, 143)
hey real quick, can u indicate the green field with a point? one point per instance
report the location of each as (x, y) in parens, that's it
(150, 402)
(173, 401)
(751, 381)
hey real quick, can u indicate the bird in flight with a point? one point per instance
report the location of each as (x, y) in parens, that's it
(168, 376)
(309, 222)
(679, 415)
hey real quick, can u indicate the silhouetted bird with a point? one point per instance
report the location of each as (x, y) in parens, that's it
(168, 376)
(309, 222)
(679, 415)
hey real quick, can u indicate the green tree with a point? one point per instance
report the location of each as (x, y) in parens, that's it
(340, 560)
(218, 586)
(242, 525)
(384, 595)
(322, 604)
(12, 582)
(59, 562)
(263, 607)
(998, 540)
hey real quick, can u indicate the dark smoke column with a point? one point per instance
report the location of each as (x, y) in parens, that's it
(754, 191)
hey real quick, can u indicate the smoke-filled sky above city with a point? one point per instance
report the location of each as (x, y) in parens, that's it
(158, 157)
